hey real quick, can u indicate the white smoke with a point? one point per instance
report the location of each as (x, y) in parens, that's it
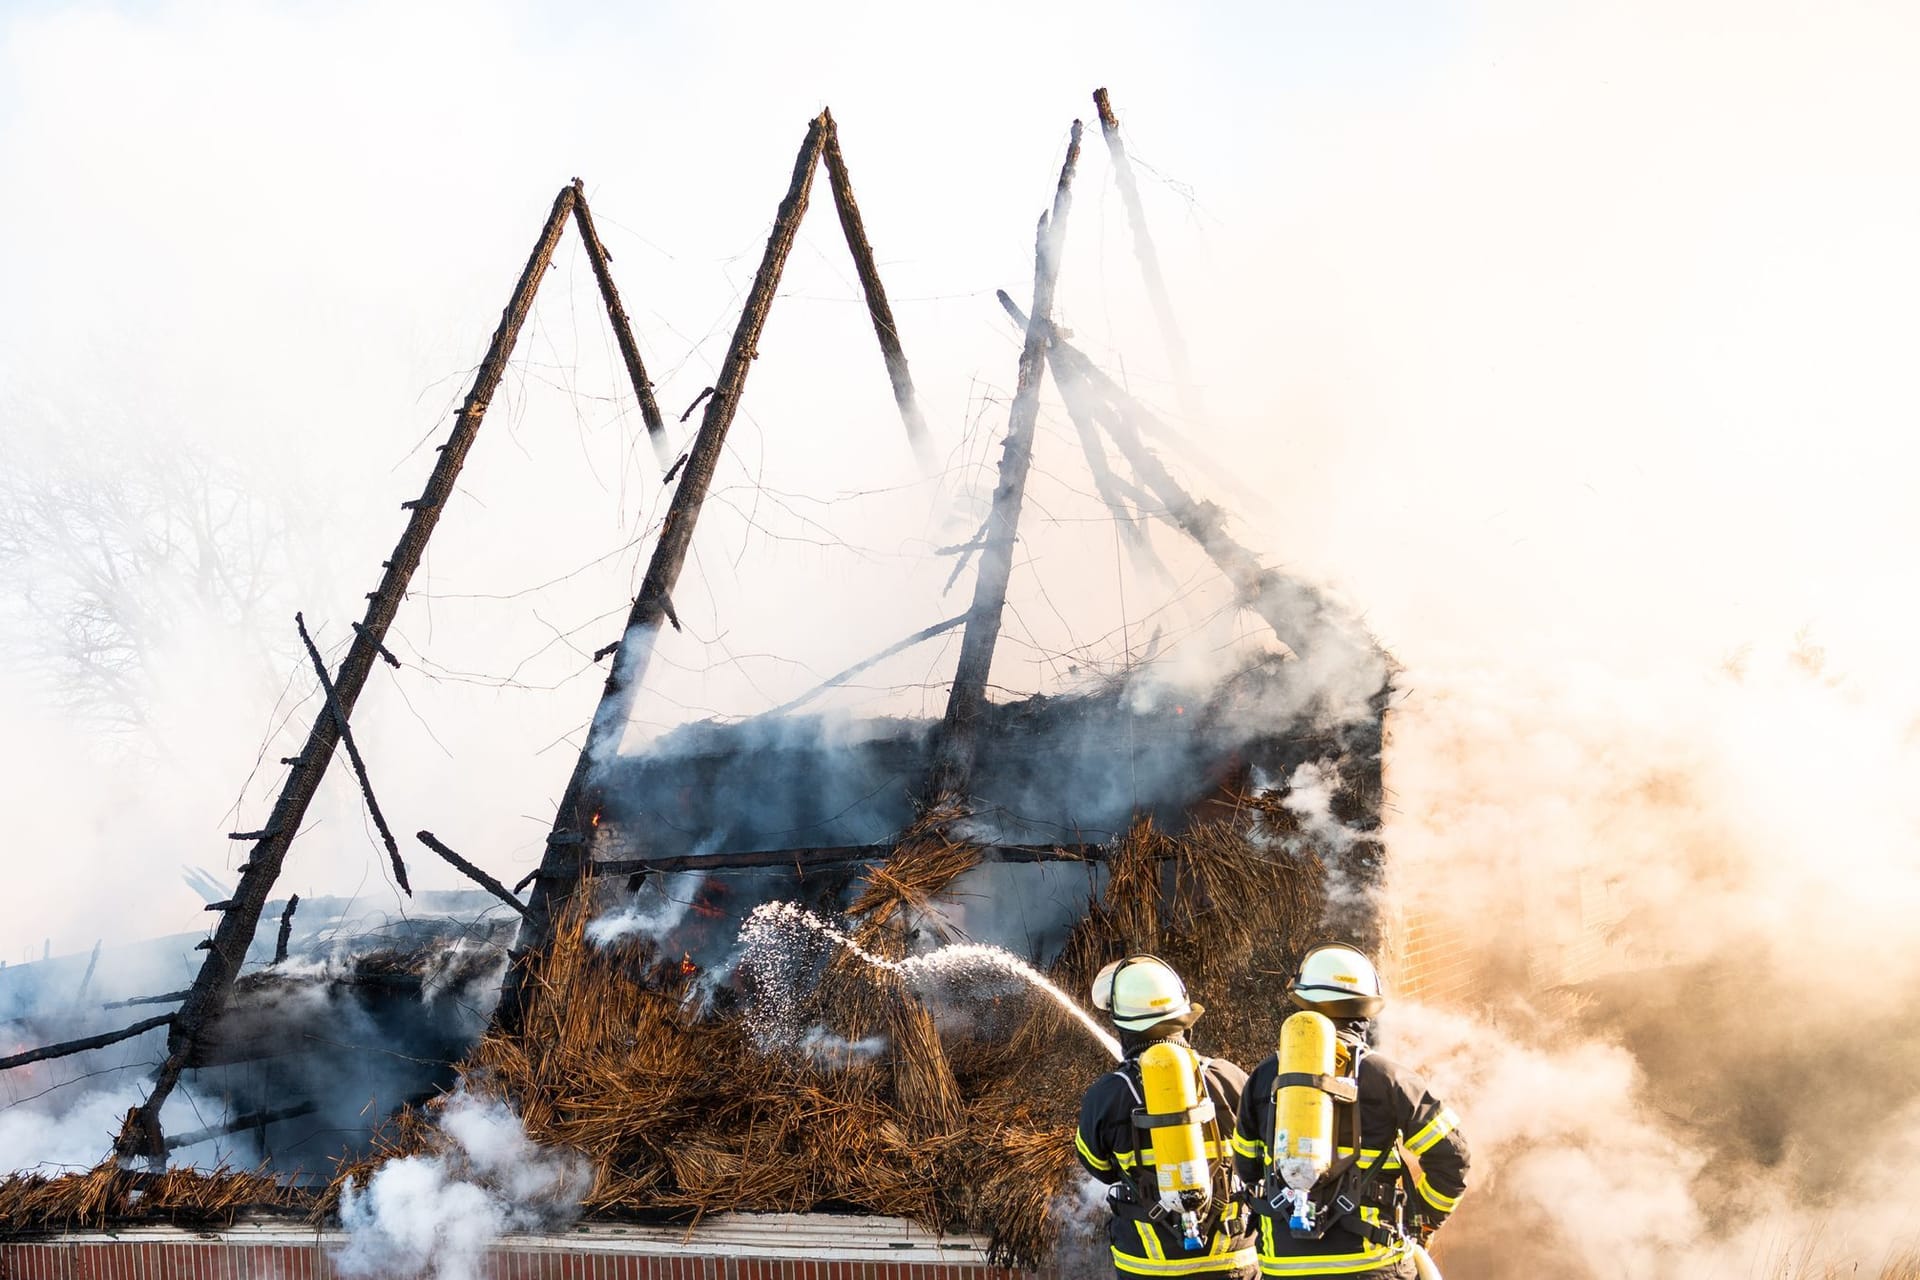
(652, 913)
(1081, 1252)
(67, 1130)
(437, 1214)
(836, 1052)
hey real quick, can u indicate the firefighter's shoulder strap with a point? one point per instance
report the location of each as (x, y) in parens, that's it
(1201, 1113)
(1341, 1088)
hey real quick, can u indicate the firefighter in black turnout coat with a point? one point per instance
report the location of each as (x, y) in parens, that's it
(1149, 1234)
(1374, 1207)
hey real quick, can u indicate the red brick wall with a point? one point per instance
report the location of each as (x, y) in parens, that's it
(214, 1260)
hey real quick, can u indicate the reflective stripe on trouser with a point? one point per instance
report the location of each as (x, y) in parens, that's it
(1152, 1260)
(1369, 1258)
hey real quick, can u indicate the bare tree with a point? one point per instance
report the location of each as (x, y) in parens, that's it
(112, 558)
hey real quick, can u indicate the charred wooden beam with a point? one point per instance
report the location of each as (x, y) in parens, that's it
(837, 855)
(353, 755)
(1307, 620)
(622, 330)
(878, 308)
(472, 872)
(165, 997)
(1149, 258)
(141, 1136)
(1133, 533)
(67, 1048)
(251, 1120)
(841, 677)
(286, 930)
(86, 979)
(567, 847)
(952, 769)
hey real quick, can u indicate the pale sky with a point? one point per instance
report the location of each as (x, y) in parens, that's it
(1544, 333)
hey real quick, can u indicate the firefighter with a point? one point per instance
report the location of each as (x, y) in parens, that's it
(1178, 1215)
(1362, 1208)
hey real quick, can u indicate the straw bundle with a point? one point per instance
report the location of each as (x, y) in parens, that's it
(107, 1194)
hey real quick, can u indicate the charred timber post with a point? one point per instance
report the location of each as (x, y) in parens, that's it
(141, 1136)
(472, 872)
(86, 982)
(568, 851)
(952, 770)
(1143, 250)
(622, 329)
(286, 929)
(884, 327)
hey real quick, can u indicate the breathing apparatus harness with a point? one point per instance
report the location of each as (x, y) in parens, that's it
(1196, 1212)
(1336, 1198)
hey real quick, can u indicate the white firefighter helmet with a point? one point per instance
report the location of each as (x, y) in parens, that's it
(1139, 992)
(1338, 981)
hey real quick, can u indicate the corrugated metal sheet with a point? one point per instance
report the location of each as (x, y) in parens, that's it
(820, 1237)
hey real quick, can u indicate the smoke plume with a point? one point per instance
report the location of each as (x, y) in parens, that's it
(1686, 1049)
(437, 1214)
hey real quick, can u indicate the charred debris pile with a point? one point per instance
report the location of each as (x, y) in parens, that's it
(1226, 829)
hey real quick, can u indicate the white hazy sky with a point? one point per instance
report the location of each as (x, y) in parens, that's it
(1545, 332)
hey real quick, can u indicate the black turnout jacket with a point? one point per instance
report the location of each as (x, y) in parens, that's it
(1397, 1113)
(1106, 1144)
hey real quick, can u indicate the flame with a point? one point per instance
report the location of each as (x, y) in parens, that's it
(595, 819)
(1179, 711)
(687, 967)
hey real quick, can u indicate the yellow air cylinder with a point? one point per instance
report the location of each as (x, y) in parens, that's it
(1303, 1134)
(1170, 1081)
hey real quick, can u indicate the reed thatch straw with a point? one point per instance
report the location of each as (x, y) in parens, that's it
(963, 1121)
(32, 1204)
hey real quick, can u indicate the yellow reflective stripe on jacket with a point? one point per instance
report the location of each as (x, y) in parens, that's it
(1086, 1152)
(1437, 1128)
(1189, 1265)
(1150, 1242)
(1126, 1160)
(1252, 1148)
(1444, 1203)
